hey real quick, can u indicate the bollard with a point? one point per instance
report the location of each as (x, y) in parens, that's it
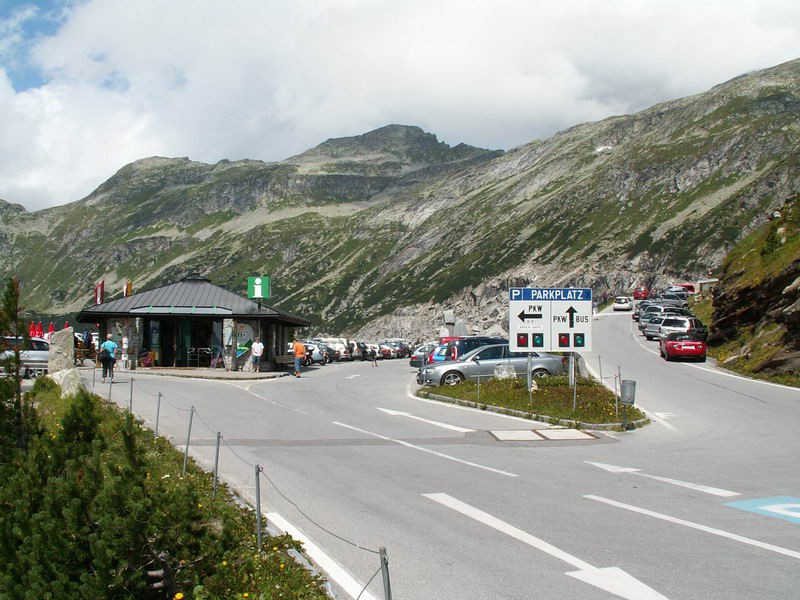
(130, 401)
(188, 439)
(258, 507)
(387, 586)
(158, 414)
(216, 466)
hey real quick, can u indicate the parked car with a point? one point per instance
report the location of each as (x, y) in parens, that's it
(482, 362)
(652, 329)
(419, 356)
(641, 292)
(622, 303)
(438, 354)
(683, 324)
(683, 345)
(33, 356)
(461, 346)
(314, 354)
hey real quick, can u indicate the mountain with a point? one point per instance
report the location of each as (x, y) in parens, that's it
(376, 234)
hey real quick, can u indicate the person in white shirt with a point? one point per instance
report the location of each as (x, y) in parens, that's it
(256, 351)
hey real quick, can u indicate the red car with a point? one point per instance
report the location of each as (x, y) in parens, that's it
(641, 293)
(683, 345)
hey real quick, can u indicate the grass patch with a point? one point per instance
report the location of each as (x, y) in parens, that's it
(595, 404)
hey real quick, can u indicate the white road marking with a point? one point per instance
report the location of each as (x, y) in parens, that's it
(610, 579)
(353, 376)
(692, 486)
(751, 380)
(698, 526)
(334, 572)
(664, 415)
(426, 450)
(397, 413)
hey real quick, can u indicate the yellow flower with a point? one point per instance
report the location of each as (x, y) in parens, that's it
(282, 565)
(179, 596)
(245, 595)
(224, 563)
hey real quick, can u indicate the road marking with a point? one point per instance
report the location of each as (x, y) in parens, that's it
(780, 507)
(610, 579)
(397, 413)
(664, 415)
(698, 526)
(750, 379)
(692, 486)
(353, 376)
(426, 450)
(336, 573)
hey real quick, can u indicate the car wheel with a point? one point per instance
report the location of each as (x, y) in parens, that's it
(452, 378)
(701, 359)
(539, 373)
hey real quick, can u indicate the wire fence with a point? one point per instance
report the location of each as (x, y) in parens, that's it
(252, 483)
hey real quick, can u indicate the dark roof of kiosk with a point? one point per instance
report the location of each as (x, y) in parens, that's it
(192, 296)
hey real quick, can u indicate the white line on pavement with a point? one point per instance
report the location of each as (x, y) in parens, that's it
(698, 526)
(692, 486)
(421, 449)
(334, 572)
(610, 579)
(398, 413)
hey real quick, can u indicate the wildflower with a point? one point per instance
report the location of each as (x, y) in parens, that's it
(179, 596)
(282, 565)
(224, 563)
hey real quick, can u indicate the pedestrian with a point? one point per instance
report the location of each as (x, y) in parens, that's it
(373, 357)
(108, 356)
(256, 351)
(299, 350)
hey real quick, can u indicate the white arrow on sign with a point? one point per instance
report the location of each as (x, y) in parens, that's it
(611, 579)
(692, 486)
(397, 413)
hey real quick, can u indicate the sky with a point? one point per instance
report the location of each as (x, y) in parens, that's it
(88, 86)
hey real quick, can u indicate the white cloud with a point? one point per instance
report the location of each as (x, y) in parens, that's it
(267, 79)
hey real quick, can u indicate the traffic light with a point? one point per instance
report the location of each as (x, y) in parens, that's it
(538, 340)
(579, 340)
(563, 340)
(522, 340)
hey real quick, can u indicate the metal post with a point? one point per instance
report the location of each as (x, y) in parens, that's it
(110, 382)
(216, 466)
(600, 366)
(616, 399)
(130, 401)
(258, 506)
(479, 388)
(94, 375)
(188, 439)
(158, 414)
(530, 379)
(387, 586)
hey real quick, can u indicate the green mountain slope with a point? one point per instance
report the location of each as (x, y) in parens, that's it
(379, 232)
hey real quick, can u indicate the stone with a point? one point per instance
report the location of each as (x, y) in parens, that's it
(62, 350)
(68, 379)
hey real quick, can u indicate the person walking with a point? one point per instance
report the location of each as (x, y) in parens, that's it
(299, 351)
(108, 356)
(256, 352)
(373, 357)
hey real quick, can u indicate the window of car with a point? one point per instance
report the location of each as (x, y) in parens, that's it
(490, 353)
(674, 323)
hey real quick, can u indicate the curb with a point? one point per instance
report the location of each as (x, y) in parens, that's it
(531, 416)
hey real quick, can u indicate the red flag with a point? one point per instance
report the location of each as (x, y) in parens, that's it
(51, 329)
(99, 292)
(66, 324)
(39, 330)
(32, 330)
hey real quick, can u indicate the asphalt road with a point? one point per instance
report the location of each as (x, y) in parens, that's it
(463, 515)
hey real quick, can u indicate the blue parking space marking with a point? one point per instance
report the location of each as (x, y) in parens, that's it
(780, 507)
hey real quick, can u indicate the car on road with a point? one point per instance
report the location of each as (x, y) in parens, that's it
(652, 329)
(33, 356)
(683, 324)
(482, 362)
(640, 292)
(420, 354)
(622, 303)
(461, 346)
(683, 345)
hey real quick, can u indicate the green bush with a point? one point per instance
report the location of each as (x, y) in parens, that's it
(94, 503)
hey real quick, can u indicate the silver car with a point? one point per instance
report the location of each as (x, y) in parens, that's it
(482, 362)
(33, 357)
(653, 328)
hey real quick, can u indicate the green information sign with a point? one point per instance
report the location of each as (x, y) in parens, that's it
(258, 288)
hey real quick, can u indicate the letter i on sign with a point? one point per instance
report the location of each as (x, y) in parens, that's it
(257, 288)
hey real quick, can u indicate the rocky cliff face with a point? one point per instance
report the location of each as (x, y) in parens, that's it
(379, 233)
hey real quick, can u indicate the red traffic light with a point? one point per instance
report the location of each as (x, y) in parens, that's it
(563, 340)
(522, 340)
